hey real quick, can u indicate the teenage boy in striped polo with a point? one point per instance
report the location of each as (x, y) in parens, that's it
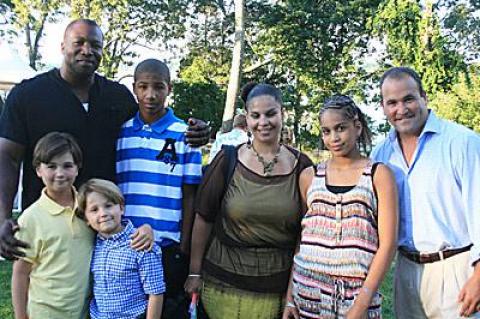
(158, 174)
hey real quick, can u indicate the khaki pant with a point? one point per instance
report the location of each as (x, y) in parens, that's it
(430, 290)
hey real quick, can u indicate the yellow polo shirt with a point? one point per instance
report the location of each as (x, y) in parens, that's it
(61, 246)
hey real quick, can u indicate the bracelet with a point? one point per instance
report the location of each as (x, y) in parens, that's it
(195, 275)
(290, 305)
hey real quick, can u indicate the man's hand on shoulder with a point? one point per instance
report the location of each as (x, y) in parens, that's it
(9, 245)
(198, 132)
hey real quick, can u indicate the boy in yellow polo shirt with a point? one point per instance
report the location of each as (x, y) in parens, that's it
(52, 280)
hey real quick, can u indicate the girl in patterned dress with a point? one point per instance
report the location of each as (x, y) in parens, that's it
(349, 232)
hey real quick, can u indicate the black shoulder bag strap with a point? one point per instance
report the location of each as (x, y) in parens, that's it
(230, 161)
(229, 168)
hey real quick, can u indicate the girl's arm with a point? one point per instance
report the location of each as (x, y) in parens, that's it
(155, 305)
(20, 284)
(384, 183)
(305, 181)
(201, 233)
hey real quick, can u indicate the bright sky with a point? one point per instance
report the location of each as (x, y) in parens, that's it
(52, 56)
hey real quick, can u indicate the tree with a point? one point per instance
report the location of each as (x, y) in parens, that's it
(209, 58)
(462, 24)
(132, 22)
(462, 103)
(413, 38)
(200, 100)
(398, 24)
(6, 8)
(316, 50)
(236, 69)
(30, 16)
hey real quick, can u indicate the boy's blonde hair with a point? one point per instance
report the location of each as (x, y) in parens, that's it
(101, 186)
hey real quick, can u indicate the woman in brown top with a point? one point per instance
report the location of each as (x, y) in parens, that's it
(244, 233)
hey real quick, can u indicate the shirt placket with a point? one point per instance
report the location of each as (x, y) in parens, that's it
(338, 219)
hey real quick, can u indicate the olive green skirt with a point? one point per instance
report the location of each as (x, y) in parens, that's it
(222, 301)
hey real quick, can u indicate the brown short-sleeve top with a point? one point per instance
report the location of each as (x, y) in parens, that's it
(257, 224)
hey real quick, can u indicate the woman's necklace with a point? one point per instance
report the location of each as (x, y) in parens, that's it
(267, 165)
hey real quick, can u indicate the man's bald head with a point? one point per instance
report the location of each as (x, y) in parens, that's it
(88, 22)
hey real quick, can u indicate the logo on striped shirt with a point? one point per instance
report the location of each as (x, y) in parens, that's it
(168, 154)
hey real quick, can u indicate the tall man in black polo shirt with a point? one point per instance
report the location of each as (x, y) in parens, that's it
(72, 99)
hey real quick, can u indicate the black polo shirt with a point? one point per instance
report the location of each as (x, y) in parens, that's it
(46, 103)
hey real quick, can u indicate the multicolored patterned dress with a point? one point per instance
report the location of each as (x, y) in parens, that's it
(339, 240)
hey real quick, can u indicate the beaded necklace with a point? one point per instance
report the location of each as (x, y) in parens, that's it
(267, 165)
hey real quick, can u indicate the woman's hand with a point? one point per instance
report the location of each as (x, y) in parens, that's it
(357, 312)
(193, 284)
(142, 239)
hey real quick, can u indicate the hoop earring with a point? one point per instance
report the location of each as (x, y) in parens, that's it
(249, 140)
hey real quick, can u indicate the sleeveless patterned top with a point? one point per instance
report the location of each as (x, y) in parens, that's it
(339, 231)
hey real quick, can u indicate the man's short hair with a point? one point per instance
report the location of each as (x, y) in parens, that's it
(401, 72)
(88, 22)
(240, 120)
(152, 66)
(56, 144)
(103, 187)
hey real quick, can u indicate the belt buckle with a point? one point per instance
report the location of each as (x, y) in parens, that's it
(423, 257)
(440, 255)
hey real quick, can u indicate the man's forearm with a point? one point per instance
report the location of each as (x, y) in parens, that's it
(9, 172)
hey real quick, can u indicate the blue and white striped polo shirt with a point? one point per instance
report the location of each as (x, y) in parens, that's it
(153, 161)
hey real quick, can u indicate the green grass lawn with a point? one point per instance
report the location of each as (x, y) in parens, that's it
(6, 311)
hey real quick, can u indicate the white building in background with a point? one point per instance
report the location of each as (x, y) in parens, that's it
(12, 71)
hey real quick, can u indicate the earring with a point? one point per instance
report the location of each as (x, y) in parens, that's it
(249, 141)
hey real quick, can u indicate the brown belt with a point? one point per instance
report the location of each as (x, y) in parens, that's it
(424, 258)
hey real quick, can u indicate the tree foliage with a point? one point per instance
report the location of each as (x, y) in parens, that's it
(30, 17)
(462, 103)
(199, 100)
(462, 24)
(413, 37)
(129, 22)
(316, 50)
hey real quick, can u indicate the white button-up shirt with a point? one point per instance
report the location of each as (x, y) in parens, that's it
(439, 193)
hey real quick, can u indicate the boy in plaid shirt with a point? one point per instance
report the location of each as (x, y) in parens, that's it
(127, 284)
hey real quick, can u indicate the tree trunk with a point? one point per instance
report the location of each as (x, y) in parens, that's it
(235, 71)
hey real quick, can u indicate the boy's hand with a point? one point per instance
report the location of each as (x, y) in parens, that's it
(8, 243)
(198, 132)
(142, 239)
